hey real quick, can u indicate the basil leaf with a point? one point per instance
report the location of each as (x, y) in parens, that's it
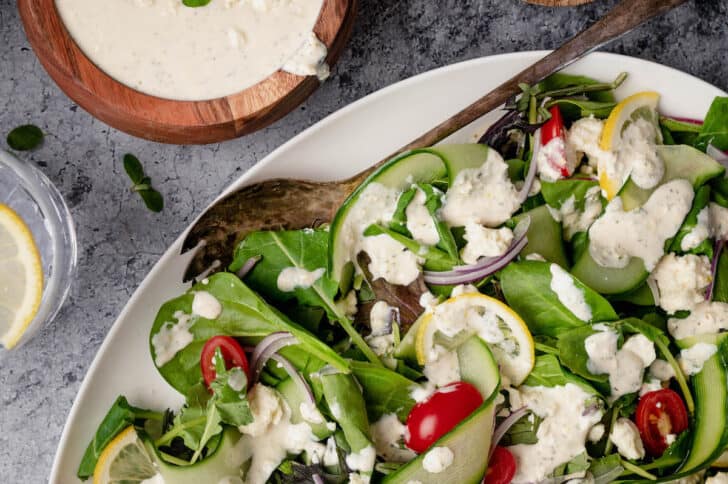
(133, 168)
(715, 127)
(24, 138)
(527, 289)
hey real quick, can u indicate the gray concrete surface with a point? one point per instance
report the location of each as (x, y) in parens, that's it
(120, 240)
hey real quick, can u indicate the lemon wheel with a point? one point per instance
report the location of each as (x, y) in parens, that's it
(124, 459)
(512, 344)
(21, 277)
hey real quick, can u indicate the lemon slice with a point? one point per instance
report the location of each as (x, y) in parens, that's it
(642, 105)
(21, 277)
(509, 338)
(124, 459)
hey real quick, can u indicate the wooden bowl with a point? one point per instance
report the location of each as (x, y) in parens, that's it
(559, 3)
(170, 121)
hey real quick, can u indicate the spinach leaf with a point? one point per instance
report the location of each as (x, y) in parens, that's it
(715, 127)
(385, 391)
(674, 454)
(523, 431)
(303, 249)
(435, 259)
(433, 202)
(573, 354)
(606, 469)
(25, 138)
(399, 218)
(701, 200)
(120, 416)
(548, 372)
(526, 286)
(346, 405)
(244, 315)
(676, 132)
(556, 193)
(196, 424)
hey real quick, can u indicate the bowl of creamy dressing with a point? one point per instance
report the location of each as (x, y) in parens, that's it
(162, 70)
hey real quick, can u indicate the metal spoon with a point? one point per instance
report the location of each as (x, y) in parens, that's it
(292, 204)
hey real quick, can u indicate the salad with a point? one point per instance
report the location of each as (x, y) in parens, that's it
(549, 304)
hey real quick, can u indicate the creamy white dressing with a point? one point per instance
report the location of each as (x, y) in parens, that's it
(388, 437)
(482, 195)
(206, 305)
(437, 459)
(699, 233)
(583, 138)
(362, 461)
(271, 436)
(237, 379)
(617, 236)
(718, 216)
(444, 369)
(168, 50)
(292, 278)
(662, 370)
(692, 359)
(390, 260)
(172, 338)
(626, 437)
(554, 160)
(719, 478)
(637, 154)
(574, 220)
(561, 434)
(419, 221)
(572, 297)
(706, 317)
(485, 242)
(681, 281)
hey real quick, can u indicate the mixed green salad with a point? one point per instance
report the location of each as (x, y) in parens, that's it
(549, 304)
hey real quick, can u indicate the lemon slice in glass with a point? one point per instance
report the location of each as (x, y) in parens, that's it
(21, 277)
(124, 459)
(642, 105)
(514, 352)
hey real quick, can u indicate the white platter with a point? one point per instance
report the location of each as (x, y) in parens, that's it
(361, 133)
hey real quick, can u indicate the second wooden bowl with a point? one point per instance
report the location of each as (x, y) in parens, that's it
(170, 121)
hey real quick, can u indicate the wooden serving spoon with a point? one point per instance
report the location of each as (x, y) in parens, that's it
(293, 204)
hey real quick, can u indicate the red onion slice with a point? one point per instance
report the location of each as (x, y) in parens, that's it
(266, 348)
(531, 175)
(714, 268)
(296, 377)
(248, 266)
(506, 424)
(485, 266)
(317, 479)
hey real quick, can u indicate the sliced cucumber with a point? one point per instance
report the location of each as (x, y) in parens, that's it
(470, 440)
(294, 397)
(607, 280)
(544, 236)
(710, 386)
(213, 468)
(681, 162)
(419, 166)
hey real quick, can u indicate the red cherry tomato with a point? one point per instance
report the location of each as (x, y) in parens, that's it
(659, 414)
(554, 127)
(232, 352)
(501, 467)
(431, 419)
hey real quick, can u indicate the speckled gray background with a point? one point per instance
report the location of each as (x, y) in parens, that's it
(120, 241)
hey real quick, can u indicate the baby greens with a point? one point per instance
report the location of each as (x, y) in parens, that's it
(142, 184)
(24, 138)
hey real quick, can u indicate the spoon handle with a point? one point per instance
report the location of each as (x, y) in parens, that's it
(624, 17)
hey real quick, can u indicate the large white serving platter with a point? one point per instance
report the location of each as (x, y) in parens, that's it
(337, 147)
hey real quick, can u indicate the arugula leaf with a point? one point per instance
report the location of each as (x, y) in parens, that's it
(244, 315)
(385, 391)
(433, 203)
(142, 184)
(523, 431)
(573, 354)
(231, 404)
(526, 286)
(715, 127)
(304, 249)
(435, 259)
(399, 218)
(548, 372)
(25, 138)
(606, 469)
(120, 416)
(676, 132)
(674, 455)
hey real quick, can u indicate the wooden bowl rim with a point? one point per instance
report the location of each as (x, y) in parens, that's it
(159, 119)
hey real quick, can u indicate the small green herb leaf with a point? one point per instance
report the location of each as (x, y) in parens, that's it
(133, 168)
(24, 138)
(195, 3)
(152, 199)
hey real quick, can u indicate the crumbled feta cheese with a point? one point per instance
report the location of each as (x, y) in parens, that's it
(348, 304)
(482, 195)
(627, 378)
(292, 278)
(692, 359)
(355, 478)
(601, 348)
(362, 461)
(572, 297)
(420, 222)
(444, 370)
(681, 281)
(388, 437)
(596, 433)
(437, 459)
(380, 318)
(574, 220)
(699, 233)
(485, 242)
(310, 413)
(172, 338)
(626, 437)
(391, 260)
(705, 318)
(718, 216)
(267, 409)
(617, 236)
(642, 347)
(583, 137)
(461, 289)
(206, 305)
(650, 386)
(662, 370)
(428, 300)
(719, 478)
